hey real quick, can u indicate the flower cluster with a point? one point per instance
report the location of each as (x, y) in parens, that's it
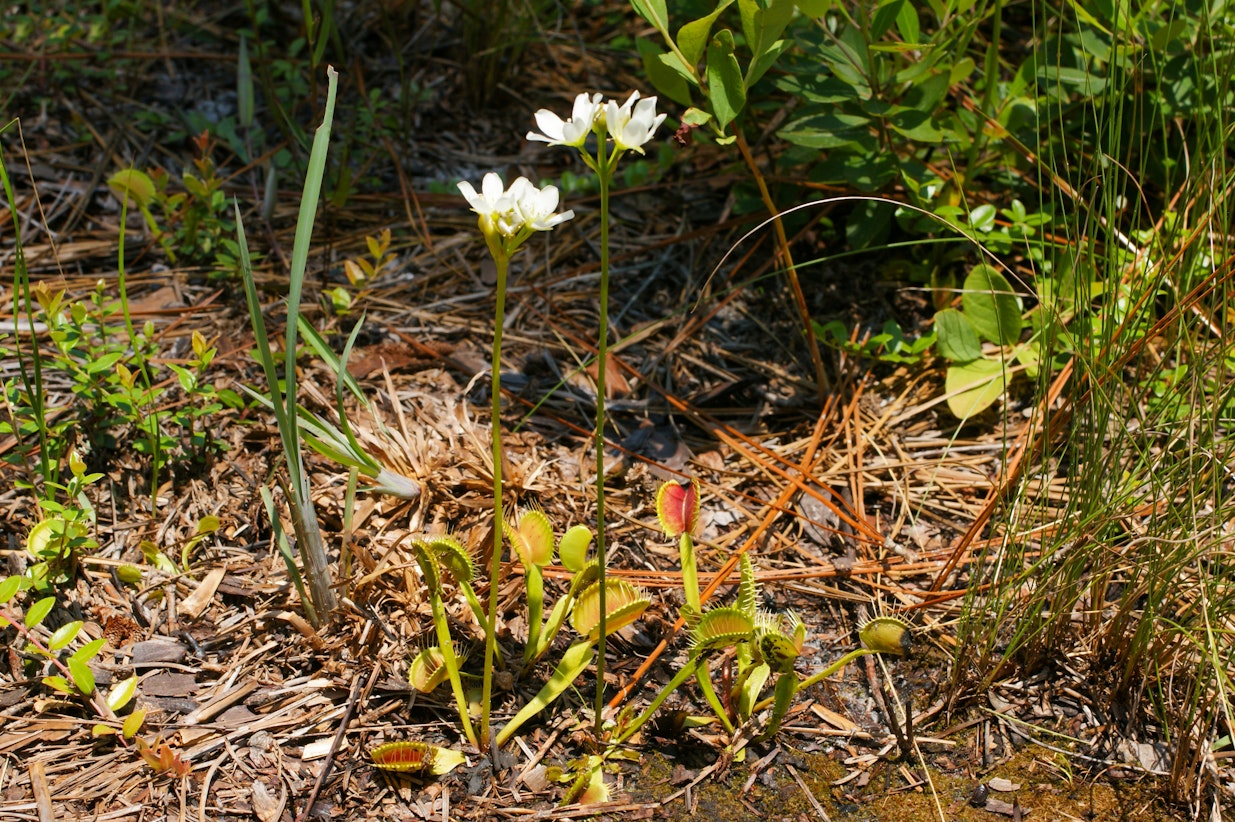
(508, 216)
(630, 125)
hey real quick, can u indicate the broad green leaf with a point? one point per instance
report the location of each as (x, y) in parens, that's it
(133, 723)
(869, 223)
(763, 22)
(885, 15)
(9, 587)
(814, 8)
(64, 635)
(58, 683)
(991, 306)
(958, 341)
(914, 124)
(765, 61)
(973, 386)
(39, 611)
(907, 23)
(655, 12)
(665, 71)
(83, 677)
(121, 693)
(186, 378)
(102, 730)
(865, 171)
(693, 37)
(725, 89)
(833, 129)
(696, 117)
(89, 651)
(982, 218)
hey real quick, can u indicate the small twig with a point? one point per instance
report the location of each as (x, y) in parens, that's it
(809, 796)
(338, 739)
(42, 796)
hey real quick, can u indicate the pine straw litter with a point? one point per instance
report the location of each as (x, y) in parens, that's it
(869, 505)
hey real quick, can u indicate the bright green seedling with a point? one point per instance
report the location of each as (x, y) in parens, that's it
(64, 535)
(361, 271)
(75, 678)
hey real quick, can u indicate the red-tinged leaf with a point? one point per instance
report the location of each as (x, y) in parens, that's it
(58, 683)
(405, 756)
(677, 506)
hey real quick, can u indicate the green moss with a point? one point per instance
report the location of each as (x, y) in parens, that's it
(775, 795)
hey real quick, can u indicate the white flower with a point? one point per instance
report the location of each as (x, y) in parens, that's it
(633, 123)
(515, 212)
(572, 132)
(536, 207)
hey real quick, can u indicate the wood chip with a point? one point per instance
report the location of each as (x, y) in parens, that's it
(160, 649)
(1003, 785)
(841, 723)
(195, 603)
(42, 795)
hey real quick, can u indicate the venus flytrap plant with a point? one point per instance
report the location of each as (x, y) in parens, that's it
(629, 126)
(507, 218)
(625, 602)
(677, 508)
(426, 671)
(765, 645)
(532, 538)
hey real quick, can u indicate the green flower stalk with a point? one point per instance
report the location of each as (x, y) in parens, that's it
(629, 126)
(507, 217)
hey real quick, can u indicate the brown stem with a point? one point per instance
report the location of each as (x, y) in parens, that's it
(782, 241)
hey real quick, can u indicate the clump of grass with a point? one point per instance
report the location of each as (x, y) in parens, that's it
(1124, 571)
(283, 392)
